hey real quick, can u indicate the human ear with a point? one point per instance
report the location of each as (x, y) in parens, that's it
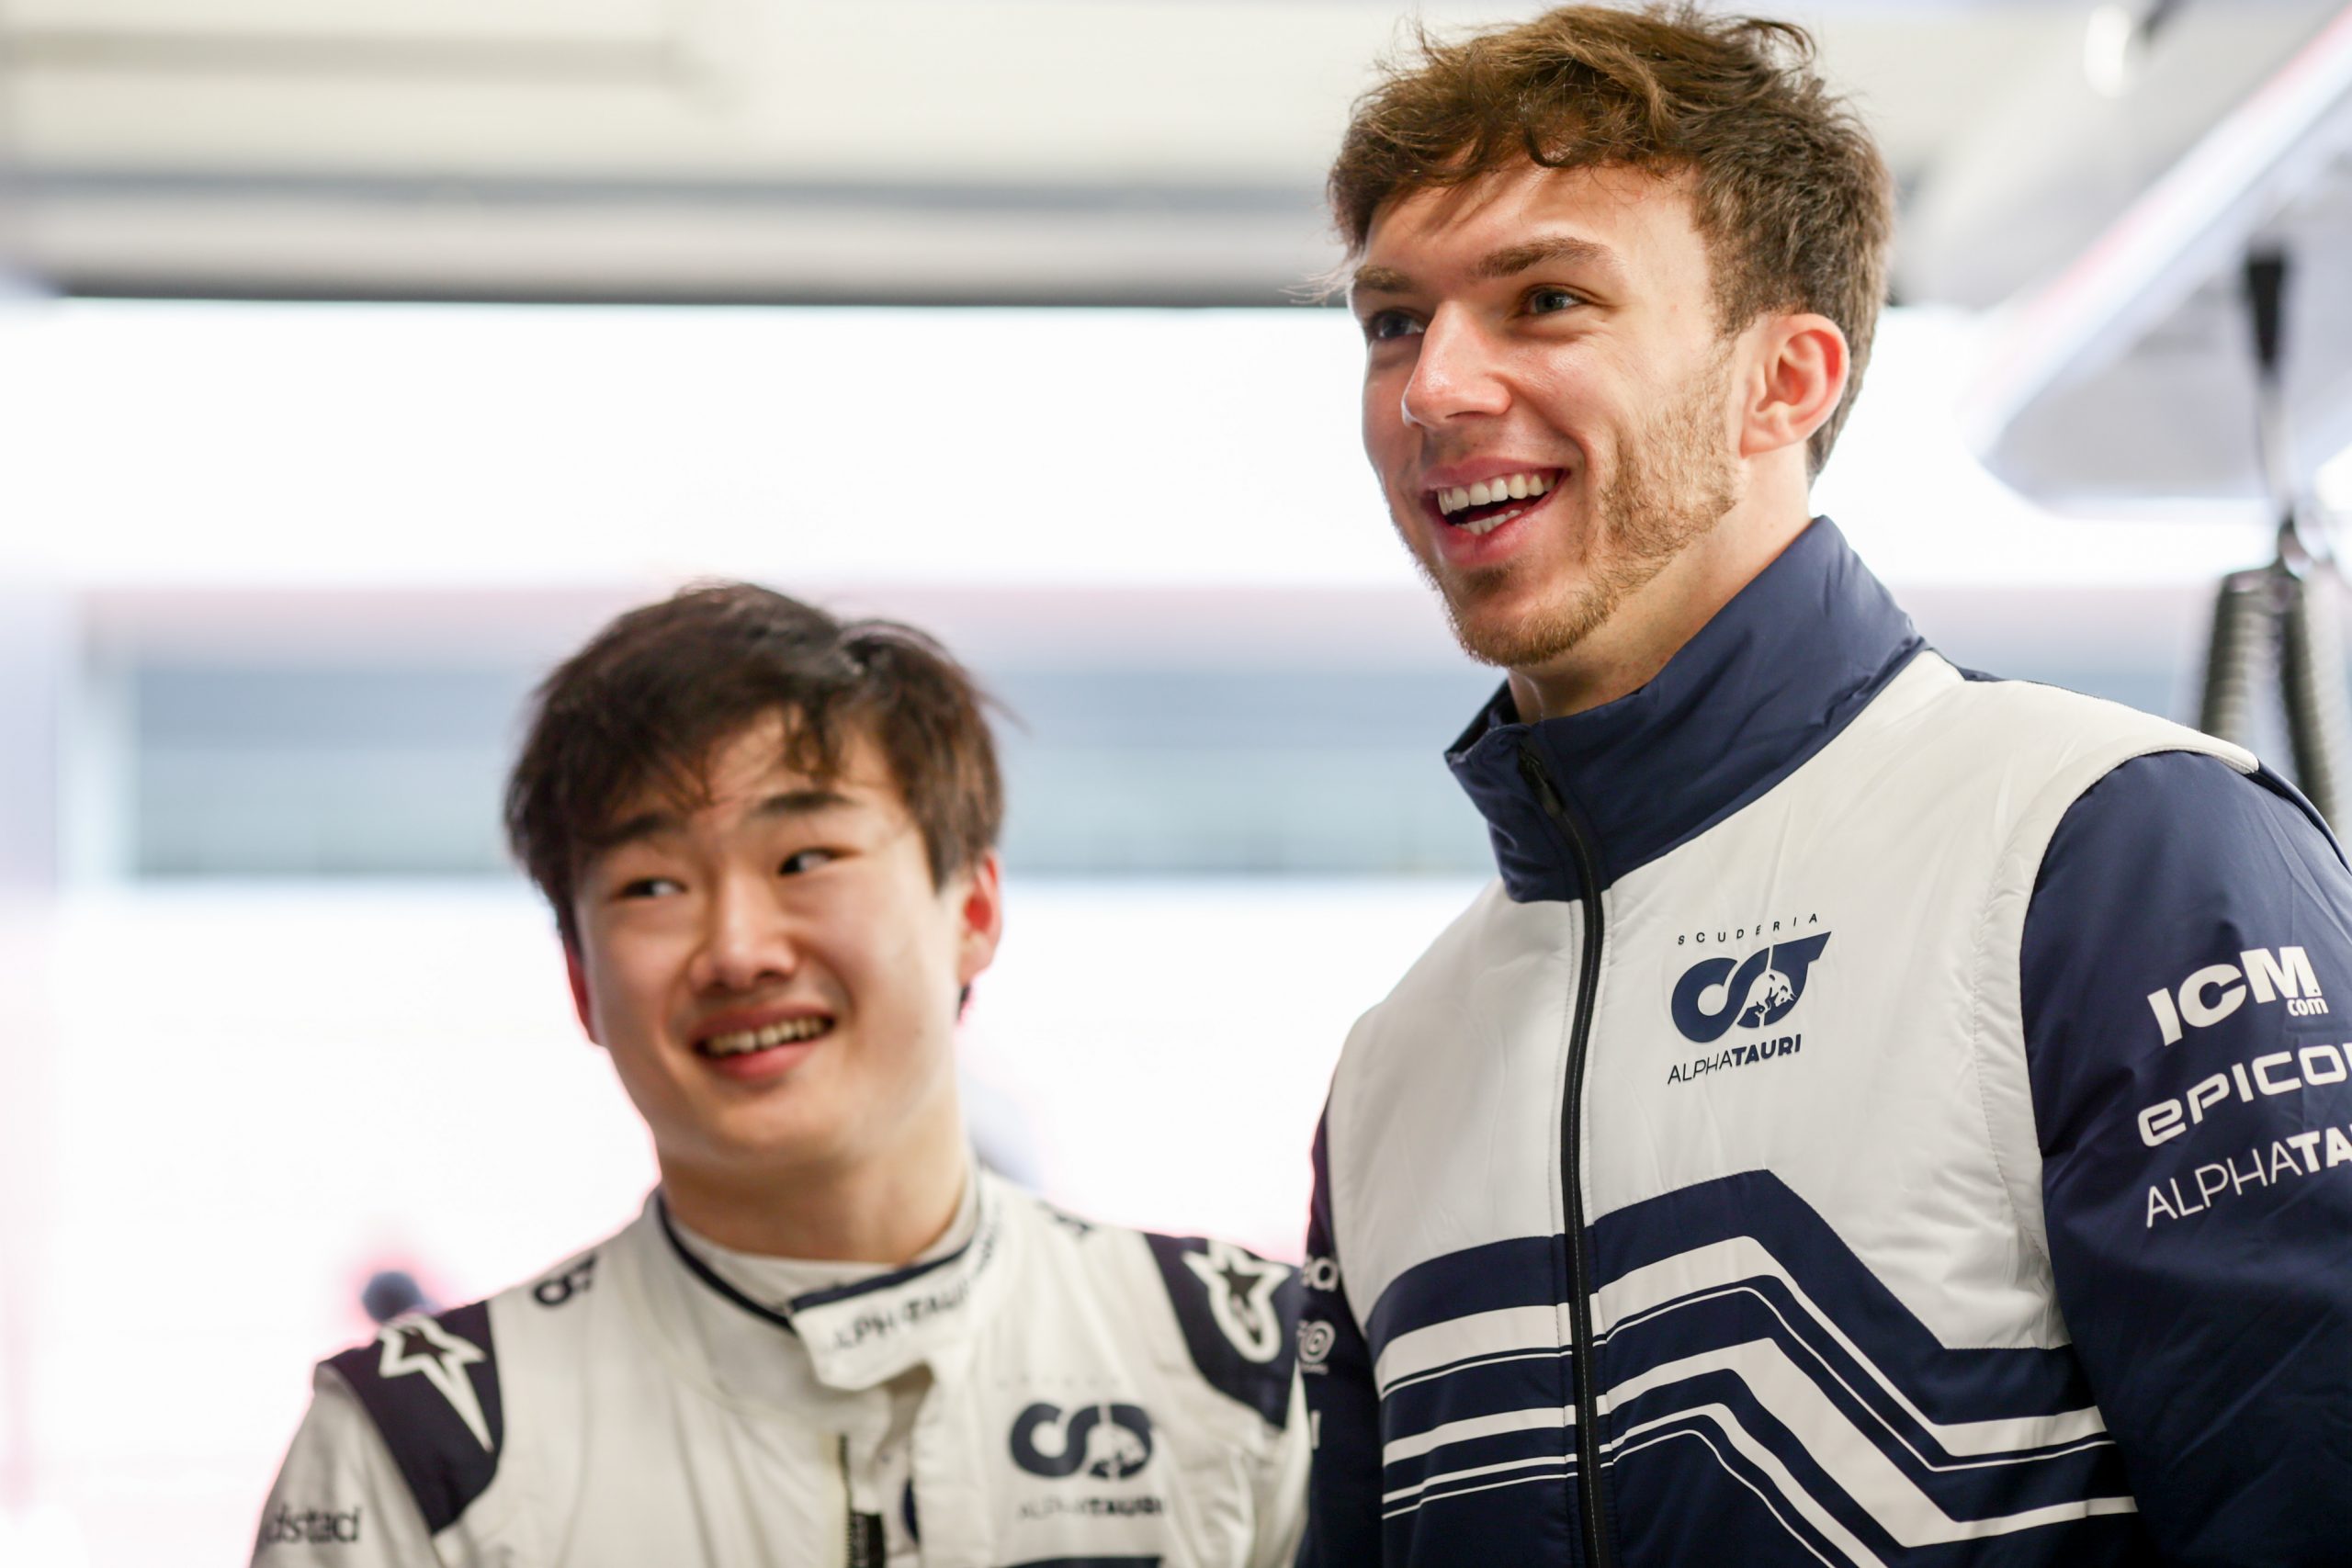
(1797, 378)
(979, 912)
(577, 973)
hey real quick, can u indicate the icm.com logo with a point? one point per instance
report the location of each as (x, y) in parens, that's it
(1754, 993)
(1109, 1442)
(2215, 992)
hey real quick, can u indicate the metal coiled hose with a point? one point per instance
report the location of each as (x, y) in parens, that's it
(2312, 683)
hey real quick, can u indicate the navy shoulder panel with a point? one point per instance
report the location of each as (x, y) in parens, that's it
(1239, 1313)
(431, 1386)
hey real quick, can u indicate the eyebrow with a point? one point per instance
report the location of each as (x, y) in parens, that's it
(801, 802)
(1508, 262)
(783, 803)
(1512, 260)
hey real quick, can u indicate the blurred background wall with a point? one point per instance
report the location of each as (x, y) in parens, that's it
(360, 360)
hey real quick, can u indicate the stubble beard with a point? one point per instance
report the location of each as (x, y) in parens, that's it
(1669, 488)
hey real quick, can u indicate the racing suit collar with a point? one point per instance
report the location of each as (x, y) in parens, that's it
(866, 1331)
(1778, 673)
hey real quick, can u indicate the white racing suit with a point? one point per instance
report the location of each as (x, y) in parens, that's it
(1049, 1391)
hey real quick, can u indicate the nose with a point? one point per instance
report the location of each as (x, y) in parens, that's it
(1456, 373)
(746, 939)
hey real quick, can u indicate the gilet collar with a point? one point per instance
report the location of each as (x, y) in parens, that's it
(1778, 673)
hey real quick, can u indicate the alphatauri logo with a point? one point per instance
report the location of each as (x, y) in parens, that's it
(1754, 993)
(2215, 992)
(1109, 1442)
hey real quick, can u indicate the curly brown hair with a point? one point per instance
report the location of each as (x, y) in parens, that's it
(650, 698)
(1788, 187)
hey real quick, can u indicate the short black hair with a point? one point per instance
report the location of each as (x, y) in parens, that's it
(649, 698)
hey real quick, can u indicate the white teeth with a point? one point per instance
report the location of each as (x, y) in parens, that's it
(1510, 487)
(741, 1040)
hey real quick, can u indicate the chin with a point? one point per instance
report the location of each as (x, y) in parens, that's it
(773, 1147)
(1506, 630)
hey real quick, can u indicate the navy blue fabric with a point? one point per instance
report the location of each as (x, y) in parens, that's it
(1475, 1461)
(1335, 1368)
(446, 1466)
(2207, 1274)
(1479, 1385)
(1264, 1386)
(1689, 1495)
(1526, 1270)
(1516, 1517)
(1773, 678)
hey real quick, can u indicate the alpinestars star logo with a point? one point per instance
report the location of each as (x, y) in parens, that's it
(1756, 993)
(420, 1345)
(1241, 1292)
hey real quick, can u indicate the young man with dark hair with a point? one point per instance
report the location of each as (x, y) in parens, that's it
(1881, 1114)
(769, 837)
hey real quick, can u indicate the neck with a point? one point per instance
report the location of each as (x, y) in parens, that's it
(887, 1211)
(1649, 626)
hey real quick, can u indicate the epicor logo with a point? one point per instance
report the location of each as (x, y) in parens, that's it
(2280, 1072)
(2218, 990)
(1109, 1442)
(1755, 993)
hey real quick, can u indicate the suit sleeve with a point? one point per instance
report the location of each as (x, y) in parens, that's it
(1343, 1527)
(2189, 935)
(340, 1501)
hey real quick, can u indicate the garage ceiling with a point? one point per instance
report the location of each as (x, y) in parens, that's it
(1076, 151)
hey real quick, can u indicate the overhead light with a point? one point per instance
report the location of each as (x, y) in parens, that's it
(2111, 45)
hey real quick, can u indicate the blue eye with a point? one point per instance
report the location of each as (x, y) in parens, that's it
(1548, 301)
(1383, 325)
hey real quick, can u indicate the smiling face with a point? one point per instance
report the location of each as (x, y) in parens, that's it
(773, 972)
(1548, 399)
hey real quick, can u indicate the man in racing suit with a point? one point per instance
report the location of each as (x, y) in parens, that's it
(1880, 1114)
(830, 1338)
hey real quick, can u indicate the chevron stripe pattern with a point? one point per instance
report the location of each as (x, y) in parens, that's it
(1761, 1385)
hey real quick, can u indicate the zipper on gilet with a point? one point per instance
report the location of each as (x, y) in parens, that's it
(1600, 1551)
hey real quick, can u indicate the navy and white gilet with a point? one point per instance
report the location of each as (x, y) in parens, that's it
(1709, 1170)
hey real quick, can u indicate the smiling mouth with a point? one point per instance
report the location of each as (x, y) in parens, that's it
(748, 1042)
(1484, 507)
